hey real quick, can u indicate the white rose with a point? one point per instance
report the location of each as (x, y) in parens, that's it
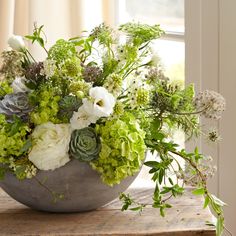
(16, 42)
(50, 146)
(101, 103)
(18, 85)
(82, 119)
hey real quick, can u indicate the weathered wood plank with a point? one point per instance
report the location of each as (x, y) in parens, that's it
(186, 218)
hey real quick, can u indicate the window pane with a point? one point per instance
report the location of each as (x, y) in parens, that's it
(169, 13)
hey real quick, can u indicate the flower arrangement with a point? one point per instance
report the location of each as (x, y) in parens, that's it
(103, 99)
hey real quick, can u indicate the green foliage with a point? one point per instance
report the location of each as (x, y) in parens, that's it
(37, 36)
(128, 202)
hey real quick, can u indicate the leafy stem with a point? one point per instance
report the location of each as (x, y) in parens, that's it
(215, 203)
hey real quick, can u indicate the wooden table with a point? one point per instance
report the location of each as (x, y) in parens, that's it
(186, 218)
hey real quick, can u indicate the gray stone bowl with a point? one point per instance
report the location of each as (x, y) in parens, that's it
(81, 187)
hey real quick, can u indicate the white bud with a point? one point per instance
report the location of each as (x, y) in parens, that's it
(16, 42)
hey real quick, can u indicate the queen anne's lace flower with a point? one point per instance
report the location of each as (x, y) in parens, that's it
(211, 103)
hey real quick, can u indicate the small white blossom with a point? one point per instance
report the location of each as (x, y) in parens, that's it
(16, 42)
(82, 119)
(49, 68)
(100, 104)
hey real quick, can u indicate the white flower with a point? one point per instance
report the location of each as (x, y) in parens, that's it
(50, 146)
(50, 68)
(101, 103)
(82, 119)
(18, 85)
(16, 42)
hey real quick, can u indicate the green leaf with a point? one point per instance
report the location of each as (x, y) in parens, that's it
(139, 208)
(27, 146)
(206, 202)
(171, 181)
(162, 211)
(166, 190)
(161, 175)
(153, 164)
(199, 191)
(218, 201)
(15, 126)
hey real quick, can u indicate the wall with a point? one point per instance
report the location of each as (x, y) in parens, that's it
(211, 64)
(227, 85)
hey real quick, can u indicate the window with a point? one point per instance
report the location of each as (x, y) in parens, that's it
(170, 48)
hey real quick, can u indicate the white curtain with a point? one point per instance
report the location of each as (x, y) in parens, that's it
(61, 18)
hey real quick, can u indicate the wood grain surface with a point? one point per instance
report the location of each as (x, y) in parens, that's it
(186, 218)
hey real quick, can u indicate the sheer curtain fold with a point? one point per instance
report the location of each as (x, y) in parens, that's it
(62, 18)
(6, 21)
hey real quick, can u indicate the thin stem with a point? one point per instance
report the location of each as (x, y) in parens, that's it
(27, 51)
(190, 113)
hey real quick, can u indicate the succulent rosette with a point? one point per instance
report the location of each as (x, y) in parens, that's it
(15, 104)
(85, 144)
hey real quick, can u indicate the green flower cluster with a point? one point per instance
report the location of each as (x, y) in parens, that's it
(142, 97)
(62, 50)
(13, 138)
(71, 67)
(5, 88)
(123, 149)
(67, 63)
(46, 101)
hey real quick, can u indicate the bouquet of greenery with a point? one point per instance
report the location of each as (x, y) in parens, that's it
(103, 99)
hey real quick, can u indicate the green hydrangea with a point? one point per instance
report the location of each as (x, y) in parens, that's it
(123, 149)
(13, 138)
(46, 101)
(5, 88)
